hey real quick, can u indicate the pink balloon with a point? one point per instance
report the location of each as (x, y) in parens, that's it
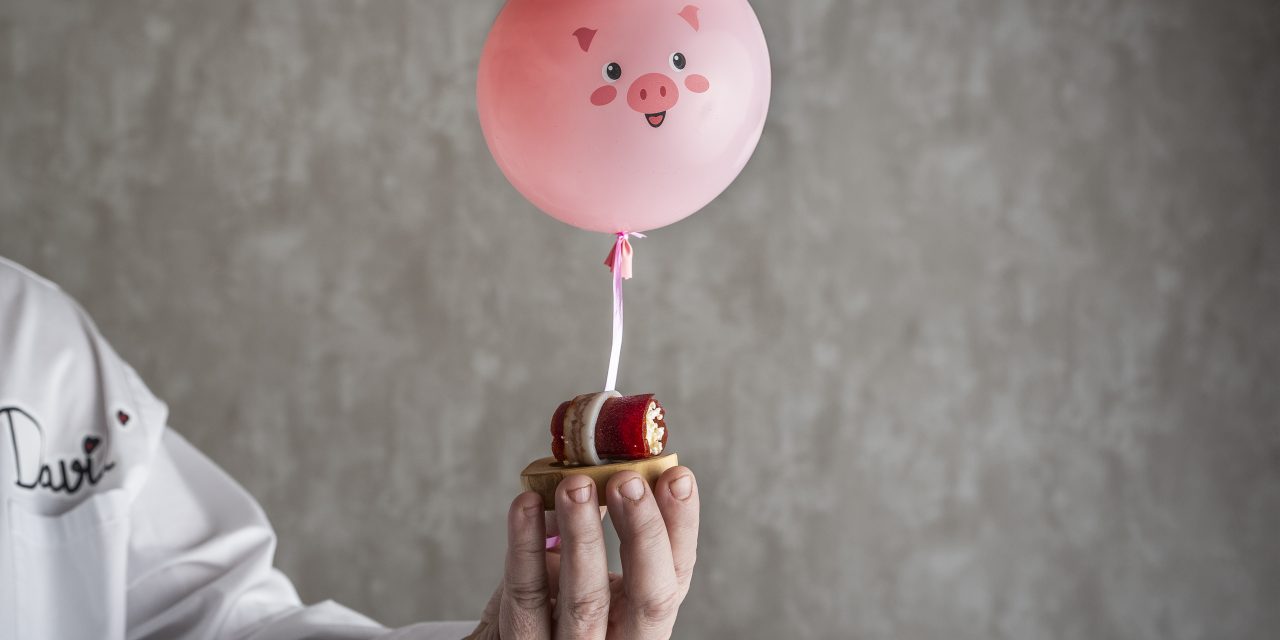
(623, 115)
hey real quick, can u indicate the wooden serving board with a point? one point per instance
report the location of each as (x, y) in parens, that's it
(543, 476)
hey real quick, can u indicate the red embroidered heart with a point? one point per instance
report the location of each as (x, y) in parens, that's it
(122, 417)
(91, 443)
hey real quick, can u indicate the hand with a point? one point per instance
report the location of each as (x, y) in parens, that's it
(567, 592)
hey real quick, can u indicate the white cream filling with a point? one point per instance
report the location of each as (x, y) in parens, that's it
(653, 431)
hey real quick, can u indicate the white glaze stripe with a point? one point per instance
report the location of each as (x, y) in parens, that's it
(588, 436)
(580, 427)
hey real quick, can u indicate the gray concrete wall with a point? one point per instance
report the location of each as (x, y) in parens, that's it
(982, 344)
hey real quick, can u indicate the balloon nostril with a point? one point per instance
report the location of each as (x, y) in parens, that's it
(663, 91)
(644, 95)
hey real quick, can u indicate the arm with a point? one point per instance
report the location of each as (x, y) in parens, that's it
(200, 564)
(164, 546)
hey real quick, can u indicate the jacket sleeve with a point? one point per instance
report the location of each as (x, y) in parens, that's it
(200, 564)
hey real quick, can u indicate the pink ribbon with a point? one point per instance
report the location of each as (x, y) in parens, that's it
(619, 262)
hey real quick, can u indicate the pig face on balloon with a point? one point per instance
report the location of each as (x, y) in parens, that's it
(623, 115)
(652, 94)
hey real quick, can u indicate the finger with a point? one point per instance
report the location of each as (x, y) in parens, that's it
(523, 612)
(677, 496)
(553, 528)
(583, 599)
(648, 571)
(553, 565)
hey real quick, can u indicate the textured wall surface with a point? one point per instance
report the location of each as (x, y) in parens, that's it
(984, 343)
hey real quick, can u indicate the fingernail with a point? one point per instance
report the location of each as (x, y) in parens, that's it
(682, 488)
(632, 489)
(580, 494)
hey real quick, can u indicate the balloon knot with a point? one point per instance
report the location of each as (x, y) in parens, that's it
(619, 260)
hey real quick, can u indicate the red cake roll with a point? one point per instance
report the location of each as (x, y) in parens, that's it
(597, 427)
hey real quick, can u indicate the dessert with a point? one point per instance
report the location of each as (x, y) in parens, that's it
(597, 435)
(597, 427)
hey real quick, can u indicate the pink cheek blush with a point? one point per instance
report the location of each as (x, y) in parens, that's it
(697, 83)
(604, 95)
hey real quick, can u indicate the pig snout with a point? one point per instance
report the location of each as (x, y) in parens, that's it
(652, 95)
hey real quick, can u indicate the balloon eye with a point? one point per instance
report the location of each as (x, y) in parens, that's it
(678, 61)
(612, 72)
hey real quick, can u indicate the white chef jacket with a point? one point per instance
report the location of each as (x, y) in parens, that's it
(111, 524)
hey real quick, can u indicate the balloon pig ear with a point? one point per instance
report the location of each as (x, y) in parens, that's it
(585, 36)
(690, 15)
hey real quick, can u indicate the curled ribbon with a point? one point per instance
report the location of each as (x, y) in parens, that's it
(619, 262)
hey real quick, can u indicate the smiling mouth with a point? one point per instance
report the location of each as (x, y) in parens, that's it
(655, 120)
